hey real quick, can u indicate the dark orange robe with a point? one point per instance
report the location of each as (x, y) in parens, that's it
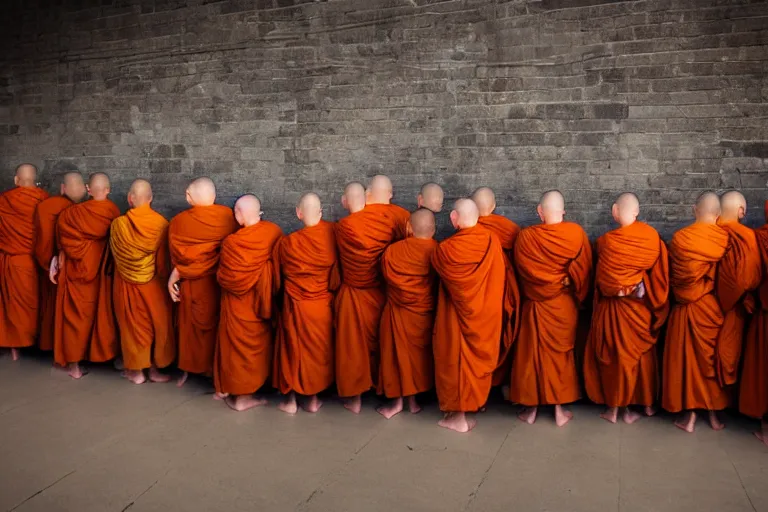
(620, 360)
(405, 332)
(143, 307)
(361, 238)
(85, 326)
(19, 277)
(249, 276)
(690, 350)
(467, 330)
(46, 215)
(507, 232)
(308, 261)
(554, 265)
(753, 393)
(194, 240)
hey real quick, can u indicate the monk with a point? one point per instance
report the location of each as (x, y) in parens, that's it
(139, 244)
(249, 280)
(304, 352)
(467, 330)
(554, 263)
(19, 296)
(72, 190)
(630, 306)
(753, 394)
(194, 239)
(85, 327)
(430, 197)
(506, 231)
(405, 332)
(691, 347)
(372, 224)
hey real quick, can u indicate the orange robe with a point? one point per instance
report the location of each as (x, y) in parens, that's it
(304, 349)
(362, 238)
(467, 331)
(85, 324)
(620, 360)
(690, 350)
(753, 394)
(507, 232)
(19, 277)
(194, 239)
(249, 277)
(143, 307)
(46, 215)
(405, 332)
(554, 264)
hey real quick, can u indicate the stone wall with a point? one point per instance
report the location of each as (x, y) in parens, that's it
(663, 97)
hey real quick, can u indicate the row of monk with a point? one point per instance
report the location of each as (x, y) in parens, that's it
(373, 301)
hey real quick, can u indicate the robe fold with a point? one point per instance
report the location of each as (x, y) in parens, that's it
(690, 350)
(405, 331)
(362, 238)
(304, 351)
(46, 215)
(249, 276)
(143, 307)
(467, 330)
(554, 266)
(19, 276)
(194, 240)
(620, 361)
(507, 232)
(85, 326)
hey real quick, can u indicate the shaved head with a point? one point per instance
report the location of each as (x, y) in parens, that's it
(733, 205)
(201, 192)
(485, 200)
(431, 197)
(140, 193)
(707, 208)
(26, 176)
(422, 223)
(248, 210)
(309, 209)
(379, 190)
(99, 186)
(464, 214)
(73, 186)
(551, 208)
(626, 209)
(353, 199)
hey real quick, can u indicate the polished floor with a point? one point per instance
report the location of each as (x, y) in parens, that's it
(102, 444)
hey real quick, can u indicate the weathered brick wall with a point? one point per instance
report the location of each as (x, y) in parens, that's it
(662, 97)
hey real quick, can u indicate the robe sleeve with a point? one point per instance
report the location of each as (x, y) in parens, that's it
(656, 281)
(580, 270)
(163, 257)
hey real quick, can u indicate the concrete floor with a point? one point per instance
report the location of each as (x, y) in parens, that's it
(103, 445)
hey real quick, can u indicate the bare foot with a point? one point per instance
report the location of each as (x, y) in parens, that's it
(562, 416)
(392, 408)
(289, 404)
(611, 414)
(528, 414)
(244, 402)
(715, 422)
(649, 410)
(220, 396)
(75, 371)
(457, 421)
(118, 364)
(630, 416)
(354, 404)
(687, 422)
(135, 376)
(182, 379)
(15, 354)
(156, 376)
(413, 405)
(313, 404)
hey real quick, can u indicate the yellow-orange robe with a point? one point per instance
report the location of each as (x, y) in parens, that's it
(46, 215)
(405, 332)
(690, 351)
(361, 238)
(19, 278)
(143, 307)
(308, 261)
(620, 360)
(554, 265)
(194, 240)
(467, 331)
(85, 326)
(507, 232)
(249, 276)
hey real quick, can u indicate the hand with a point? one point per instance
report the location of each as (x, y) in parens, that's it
(53, 270)
(639, 291)
(173, 285)
(566, 281)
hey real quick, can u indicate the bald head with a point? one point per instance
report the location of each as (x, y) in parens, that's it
(485, 200)
(551, 208)
(464, 214)
(309, 209)
(422, 224)
(26, 176)
(99, 186)
(733, 205)
(707, 208)
(201, 192)
(379, 190)
(73, 186)
(353, 199)
(626, 209)
(140, 193)
(430, 197)
(248, 210)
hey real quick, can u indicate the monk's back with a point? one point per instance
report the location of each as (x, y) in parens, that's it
(307, 257)
(502, 227)
(409, 274)
(693, 255)
(195, 236)
(623, 256)
(17, 208)
(46, 215)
